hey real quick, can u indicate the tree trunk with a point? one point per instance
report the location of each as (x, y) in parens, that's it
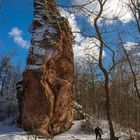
(108, 114)
(104, 71)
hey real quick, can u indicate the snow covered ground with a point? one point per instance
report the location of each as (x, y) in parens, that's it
(75, 133)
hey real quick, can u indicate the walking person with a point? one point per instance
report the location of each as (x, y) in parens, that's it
(98, 132)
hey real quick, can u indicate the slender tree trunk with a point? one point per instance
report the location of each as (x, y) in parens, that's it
(93, 85)
(108, 113)
(3, 83)
(131, 67)
(104, 71)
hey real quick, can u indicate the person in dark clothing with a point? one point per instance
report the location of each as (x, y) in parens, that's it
(98, 132)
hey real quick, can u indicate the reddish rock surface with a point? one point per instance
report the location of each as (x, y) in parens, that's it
(46, 99)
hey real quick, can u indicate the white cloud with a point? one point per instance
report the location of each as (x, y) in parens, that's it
(130, 45)
(16, 33)
(72, 21)
(83, 46)
(132, 48)
(89, 48)
(117, 9)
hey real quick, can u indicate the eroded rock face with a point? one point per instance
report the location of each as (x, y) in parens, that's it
(46, 99)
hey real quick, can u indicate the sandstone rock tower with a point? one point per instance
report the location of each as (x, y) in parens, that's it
(46, 97)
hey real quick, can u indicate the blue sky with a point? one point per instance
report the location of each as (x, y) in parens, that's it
(16, 16)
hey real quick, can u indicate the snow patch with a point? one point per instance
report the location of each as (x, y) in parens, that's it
(39, 50)
(39, 33)
(33, 67)
(75, 133)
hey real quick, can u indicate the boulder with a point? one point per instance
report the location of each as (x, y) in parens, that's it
(46, 106)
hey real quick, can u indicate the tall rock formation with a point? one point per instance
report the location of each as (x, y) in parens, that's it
(46, 97)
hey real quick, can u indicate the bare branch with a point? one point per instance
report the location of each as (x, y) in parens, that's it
(130, 64)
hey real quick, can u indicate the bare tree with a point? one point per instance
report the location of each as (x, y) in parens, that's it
(134, 6)
(9, 75)
(130, 64)
(103, 69)
(4, 68)
(117, 88)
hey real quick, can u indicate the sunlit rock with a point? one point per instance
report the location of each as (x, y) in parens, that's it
(46, 99)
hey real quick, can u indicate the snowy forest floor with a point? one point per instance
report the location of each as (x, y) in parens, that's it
(8, 132)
